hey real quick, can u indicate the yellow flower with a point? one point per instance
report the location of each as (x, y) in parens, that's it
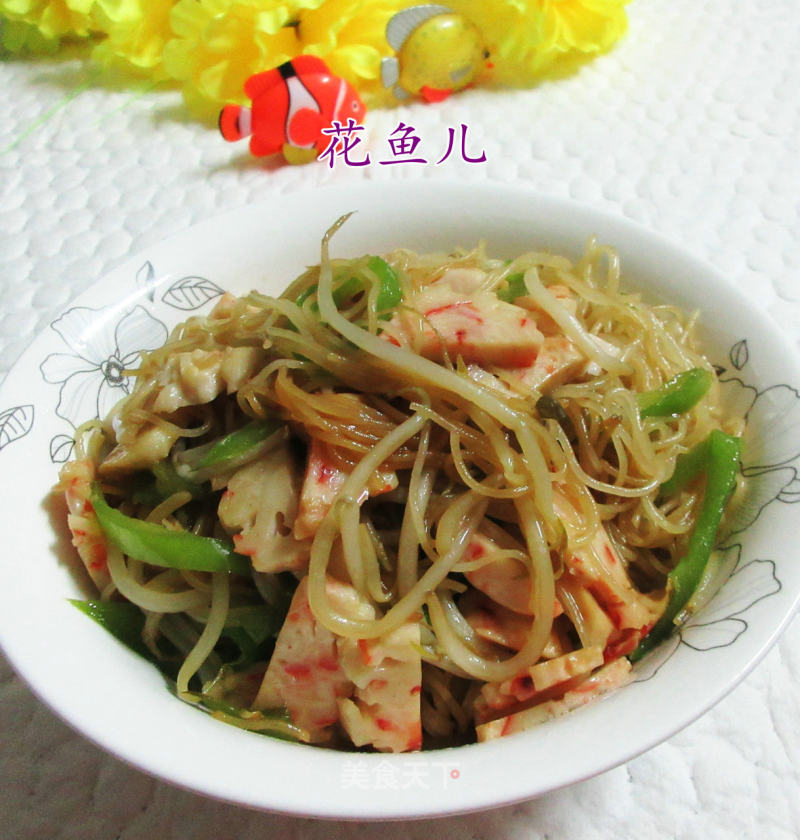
(350, 37)
(136, 33)
(218, 44)
(589, 26)
(531, 39)
(18, 37)
(53, 18)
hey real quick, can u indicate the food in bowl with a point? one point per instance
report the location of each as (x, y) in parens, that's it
(414, 501)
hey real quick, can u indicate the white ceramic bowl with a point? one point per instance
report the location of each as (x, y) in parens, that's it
(72, 372)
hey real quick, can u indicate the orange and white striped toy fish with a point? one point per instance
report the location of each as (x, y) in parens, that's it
(291, 105)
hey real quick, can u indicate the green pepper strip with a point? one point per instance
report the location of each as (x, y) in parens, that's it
(237, 443)
(123, 620)
(278, 715)
(349, 288)
(676, 396)
(718, 456)
(389, 292)
(306, 294)
(250, 628)
(687, 467)
(516, 288)
(169, 481)
(149, 542)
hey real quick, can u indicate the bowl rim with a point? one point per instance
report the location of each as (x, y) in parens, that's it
(473, 788)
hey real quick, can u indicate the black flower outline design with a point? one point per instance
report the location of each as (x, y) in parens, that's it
(92, 377)
(190, 293)
(15, 423)
(723, 620)
(105, 344)
(770, 463)
(185, 294)
(61, 447)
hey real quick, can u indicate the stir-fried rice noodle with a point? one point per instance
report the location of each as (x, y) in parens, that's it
(473, 514)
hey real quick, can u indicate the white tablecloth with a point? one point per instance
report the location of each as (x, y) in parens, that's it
(689, 126)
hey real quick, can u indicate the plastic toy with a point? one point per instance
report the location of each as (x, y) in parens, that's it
(291, 105)
(438, 51)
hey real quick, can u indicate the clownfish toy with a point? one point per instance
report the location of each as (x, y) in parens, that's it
(291, 105)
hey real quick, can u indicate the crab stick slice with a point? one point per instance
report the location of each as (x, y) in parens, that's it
(259, 507)
(546, 680)
(592, 622)
(87, 536)
(476, 326)
(600, 569)
(304, 674)
(384, 709)
(558, 361)
(504, 579)
(545, 675)
(607, 679)
(323, 481)
(462, 279)
(493, 622)
(502, 626)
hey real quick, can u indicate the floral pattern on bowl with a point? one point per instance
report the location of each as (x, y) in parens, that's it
(104, 346)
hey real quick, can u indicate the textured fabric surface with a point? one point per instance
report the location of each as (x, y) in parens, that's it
(690, 127)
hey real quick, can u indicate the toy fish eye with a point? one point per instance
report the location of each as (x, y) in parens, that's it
(486, 54)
